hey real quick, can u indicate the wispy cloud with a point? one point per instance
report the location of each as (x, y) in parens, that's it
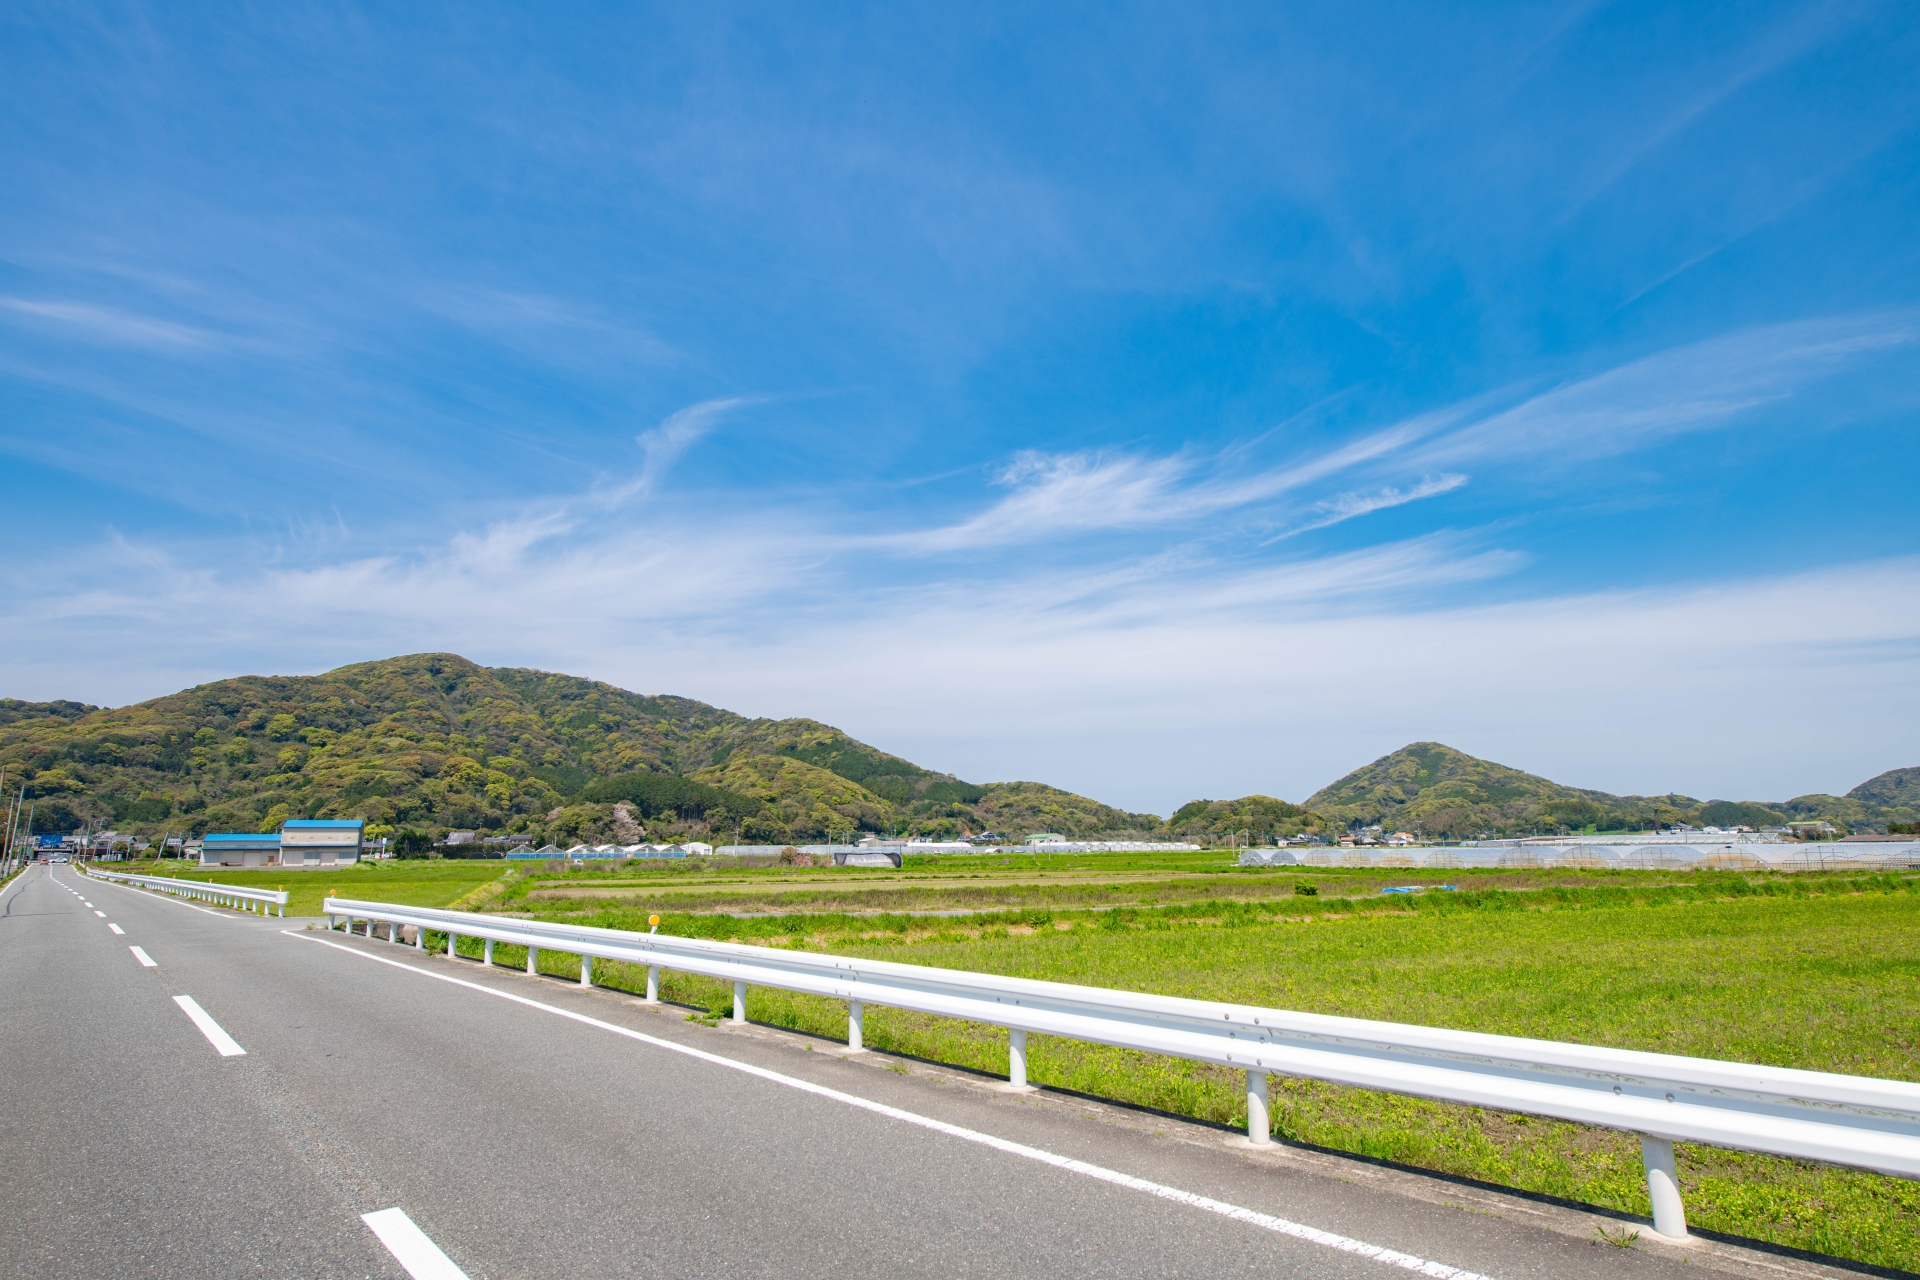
(1348, 505)
(665, 443)
(109, 325)
(1703, 386)
(557, 330)
(1064, 493)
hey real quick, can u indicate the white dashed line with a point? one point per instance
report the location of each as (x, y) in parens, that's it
(411, 1247)
(118, 932)
(213, 1031)
(145, 960)
(101, 914)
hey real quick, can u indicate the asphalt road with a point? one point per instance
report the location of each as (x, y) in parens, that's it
(529, 1128)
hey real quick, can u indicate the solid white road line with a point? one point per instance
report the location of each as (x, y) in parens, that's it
(145, 960)
(213, 1031)
(118, 931)
(411, 1247)
(1344, 1244)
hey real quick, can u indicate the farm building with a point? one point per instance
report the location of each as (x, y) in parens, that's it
(321, 842)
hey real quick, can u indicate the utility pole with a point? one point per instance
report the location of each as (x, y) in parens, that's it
(6, 843)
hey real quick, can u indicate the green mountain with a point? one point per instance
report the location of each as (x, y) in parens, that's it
(1894, 789)
(437, 742)
(1433, 789)
(1893, 796)
(433, 740)
(1255, 817)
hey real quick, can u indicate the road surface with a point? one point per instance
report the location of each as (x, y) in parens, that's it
(199, 1093)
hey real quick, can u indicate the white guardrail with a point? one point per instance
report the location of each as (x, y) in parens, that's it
(225, 895)
(1810, 1115)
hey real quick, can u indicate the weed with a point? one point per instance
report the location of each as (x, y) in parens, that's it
(1618, 1237)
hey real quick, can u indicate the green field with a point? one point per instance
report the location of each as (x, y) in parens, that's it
(1810, 970)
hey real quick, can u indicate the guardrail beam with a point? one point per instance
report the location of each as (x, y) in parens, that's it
(1809, 1115)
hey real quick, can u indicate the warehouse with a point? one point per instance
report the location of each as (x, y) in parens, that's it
(321, 842)
(227, 849)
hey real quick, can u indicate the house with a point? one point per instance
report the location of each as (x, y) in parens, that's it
(321, 842)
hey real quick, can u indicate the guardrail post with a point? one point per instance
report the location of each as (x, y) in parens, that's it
(1017, 1059)
(487, 957)
(740, 1002)
(1259, 1123)
(586, 971)
(451, 939)
(419, 937)
(533, 960)
(653, 984)
(856, 1034)
(393, 931)
(1663, 1188)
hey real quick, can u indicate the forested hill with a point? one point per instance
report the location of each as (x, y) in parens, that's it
(434, 740)
(1432, 788)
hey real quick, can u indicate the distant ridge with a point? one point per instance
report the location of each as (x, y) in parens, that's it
(1443, 792)
(435, 741)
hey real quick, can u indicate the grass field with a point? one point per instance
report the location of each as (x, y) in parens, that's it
(1810, 970)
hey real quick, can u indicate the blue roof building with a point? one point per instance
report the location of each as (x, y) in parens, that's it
(303, 842)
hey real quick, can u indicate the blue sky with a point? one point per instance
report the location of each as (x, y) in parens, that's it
(1156, 403)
